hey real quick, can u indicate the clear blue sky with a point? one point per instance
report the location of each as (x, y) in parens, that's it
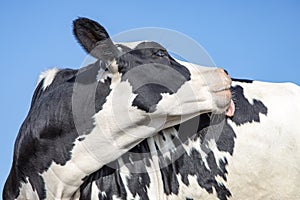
(251, 39)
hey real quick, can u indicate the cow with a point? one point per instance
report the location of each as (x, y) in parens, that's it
(255, 154)
(82, 120)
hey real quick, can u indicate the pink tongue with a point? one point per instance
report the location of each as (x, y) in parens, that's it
(231, 109)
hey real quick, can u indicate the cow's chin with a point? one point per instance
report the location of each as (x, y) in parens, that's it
(224, 103)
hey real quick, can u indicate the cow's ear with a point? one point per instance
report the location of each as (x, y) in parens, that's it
(94, 39)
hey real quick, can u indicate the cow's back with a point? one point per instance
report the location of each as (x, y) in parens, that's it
(266, 159)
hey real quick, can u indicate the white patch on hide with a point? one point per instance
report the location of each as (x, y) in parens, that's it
(195, 145)
(115, 197)
(155, 189)
(192, 191)
(27, 192)
(125, 175)
(95, 191)
(130, 45)
(165, 146)
(48, 77)
(103, 75)
(219, 155)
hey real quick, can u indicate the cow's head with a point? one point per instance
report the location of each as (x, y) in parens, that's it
(147, 80)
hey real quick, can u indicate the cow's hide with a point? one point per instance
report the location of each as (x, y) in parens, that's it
(253, 155)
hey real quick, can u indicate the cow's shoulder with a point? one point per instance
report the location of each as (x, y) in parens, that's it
(47, 126)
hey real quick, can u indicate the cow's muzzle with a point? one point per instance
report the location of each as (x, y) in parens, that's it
(221, 92)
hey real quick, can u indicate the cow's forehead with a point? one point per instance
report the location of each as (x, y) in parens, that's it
(127, 46)
(130, 45)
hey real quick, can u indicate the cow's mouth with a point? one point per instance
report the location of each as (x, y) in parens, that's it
(224, 102)
(231, 109)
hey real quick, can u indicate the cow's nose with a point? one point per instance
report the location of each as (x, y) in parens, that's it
(224, 76)
(216, 79)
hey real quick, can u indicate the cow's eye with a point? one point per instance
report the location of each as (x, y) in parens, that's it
(160, 53)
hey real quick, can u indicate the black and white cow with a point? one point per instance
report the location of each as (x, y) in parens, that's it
(253, 155)
(82, 120)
